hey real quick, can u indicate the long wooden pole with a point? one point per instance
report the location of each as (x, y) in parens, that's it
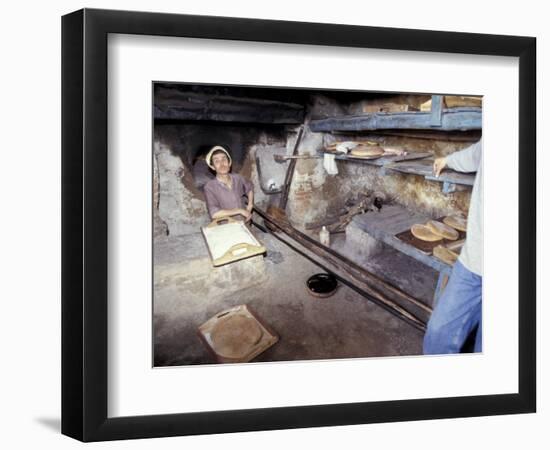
(347, 271)
(293, 232)
(290, 171)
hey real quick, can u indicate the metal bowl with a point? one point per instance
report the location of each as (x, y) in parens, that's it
(322, 284)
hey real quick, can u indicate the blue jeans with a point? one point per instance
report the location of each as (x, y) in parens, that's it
(456, 314)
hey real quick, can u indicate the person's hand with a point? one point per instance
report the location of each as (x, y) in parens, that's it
(249, 208)
(246, 214)
(439, 165)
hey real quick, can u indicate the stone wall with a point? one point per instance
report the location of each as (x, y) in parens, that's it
(179, 202)
(180, 207)
(316, 195)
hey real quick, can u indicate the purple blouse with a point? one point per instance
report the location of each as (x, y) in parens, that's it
(219, 196)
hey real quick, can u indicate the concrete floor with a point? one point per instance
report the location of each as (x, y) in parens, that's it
(346, 325)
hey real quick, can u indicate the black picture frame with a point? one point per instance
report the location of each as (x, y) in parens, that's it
(84, 224)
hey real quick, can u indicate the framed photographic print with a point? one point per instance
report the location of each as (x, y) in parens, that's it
(265, 223)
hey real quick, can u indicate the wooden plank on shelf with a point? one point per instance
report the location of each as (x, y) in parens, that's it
(393, 220)
(450, 176)
(437, 135)
(428, 247)
(456, 245)
(455, 101)
(425, 168)
(461, 101)
(426, 106)
(408, 157)
(379, 161)
(451, 119)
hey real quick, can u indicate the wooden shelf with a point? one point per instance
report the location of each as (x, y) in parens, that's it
(451, 119)
(393, 220)
(378, 161)
(420, 164)
(438, 118)
(424, 168)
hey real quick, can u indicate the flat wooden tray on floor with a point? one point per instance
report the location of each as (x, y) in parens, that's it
(236, 335)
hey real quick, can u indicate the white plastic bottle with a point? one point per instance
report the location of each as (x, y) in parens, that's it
(324, 236)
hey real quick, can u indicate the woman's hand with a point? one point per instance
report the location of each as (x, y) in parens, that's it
(439, 165)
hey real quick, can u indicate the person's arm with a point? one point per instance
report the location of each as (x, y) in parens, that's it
(248, 189)
(232, 212)
(466, 160)
(250, 204)
(215, 210)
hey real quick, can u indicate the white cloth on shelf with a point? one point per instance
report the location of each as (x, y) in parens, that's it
(329, 164)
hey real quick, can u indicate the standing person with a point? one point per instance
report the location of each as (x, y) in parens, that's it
(458, 310)
(225, 193)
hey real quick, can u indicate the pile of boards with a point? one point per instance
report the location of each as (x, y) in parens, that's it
(447, 229)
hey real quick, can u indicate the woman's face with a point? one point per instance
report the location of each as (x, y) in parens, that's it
(221, 163)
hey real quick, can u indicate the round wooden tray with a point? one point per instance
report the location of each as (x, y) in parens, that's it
(443, 230)
(422, 232)
(235, 336)
(457, 222)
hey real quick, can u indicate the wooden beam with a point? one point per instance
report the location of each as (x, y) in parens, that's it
(434, 134)
(436, 111)
(173, 104)
(451, 119)
(364, 282)
(290, 171)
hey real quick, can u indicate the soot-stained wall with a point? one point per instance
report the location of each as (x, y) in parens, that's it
(316, 195)
(180, 170)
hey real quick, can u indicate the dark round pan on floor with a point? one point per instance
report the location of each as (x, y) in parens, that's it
(322, 284)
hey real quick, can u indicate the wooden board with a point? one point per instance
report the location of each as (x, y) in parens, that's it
(458, 101)
(230, 241)
(445, 255)
(409, 156)
(455, 101)
(389, 222)
(450, 120)
(382, 160)
(427, 247)
(425, 168)
(237, 335)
